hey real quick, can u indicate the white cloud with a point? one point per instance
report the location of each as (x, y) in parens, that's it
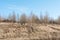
(20, 8)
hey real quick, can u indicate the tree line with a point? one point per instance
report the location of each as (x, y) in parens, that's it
(30, 19)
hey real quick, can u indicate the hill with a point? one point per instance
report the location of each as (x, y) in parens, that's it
(15, 31)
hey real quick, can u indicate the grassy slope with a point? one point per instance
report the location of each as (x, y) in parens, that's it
(9, 31)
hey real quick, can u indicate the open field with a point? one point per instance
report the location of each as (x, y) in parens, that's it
(10, 31)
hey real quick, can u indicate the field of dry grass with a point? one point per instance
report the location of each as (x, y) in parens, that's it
(10, 31)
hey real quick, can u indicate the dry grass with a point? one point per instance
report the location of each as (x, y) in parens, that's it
(9, 31)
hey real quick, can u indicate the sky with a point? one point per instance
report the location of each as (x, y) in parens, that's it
(52, 7)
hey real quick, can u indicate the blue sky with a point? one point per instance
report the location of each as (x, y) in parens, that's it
(26, 6)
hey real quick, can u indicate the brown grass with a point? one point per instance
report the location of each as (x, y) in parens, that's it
(29, 32)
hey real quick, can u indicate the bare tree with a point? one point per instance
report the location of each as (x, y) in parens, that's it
(12, 18)
(18, 18)
(34, 18)
(23, 19)
(41, 17)
(46, 18)
(0, 18)
(58, 20)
